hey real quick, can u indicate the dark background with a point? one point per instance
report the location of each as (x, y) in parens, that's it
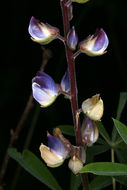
(21, 59)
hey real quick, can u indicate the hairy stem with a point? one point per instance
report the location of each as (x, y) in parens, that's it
(71, 66)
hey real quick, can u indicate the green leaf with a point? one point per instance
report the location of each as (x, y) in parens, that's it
(122, 129)
(100, 182)
(81, 1)
(101, 141)
(35, 167)
(75, 182)
(105, 168)
(121, 155)
(95, 150)
(120, 144)
(67, 129)
(98, 149)
(103, 132)
(121, 104)
(121, 179)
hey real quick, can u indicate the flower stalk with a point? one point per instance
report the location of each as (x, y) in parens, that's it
(73, 90)
(71, 66)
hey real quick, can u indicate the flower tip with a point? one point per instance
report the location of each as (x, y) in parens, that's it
(48, 134)
(32, 19)
(65, 82)
(72, 39)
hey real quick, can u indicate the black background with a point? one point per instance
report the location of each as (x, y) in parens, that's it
(21, 59)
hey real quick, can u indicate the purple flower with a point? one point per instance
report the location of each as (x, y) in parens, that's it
(89, 131)
(55, 153)
(65, 82)
(95, 44)
(56, 146)
(42, 33)
(72, 39)
(44, 89)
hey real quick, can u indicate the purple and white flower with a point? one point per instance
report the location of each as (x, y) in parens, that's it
(95, 44)
(55, 153)
(44, 89)
(42, 33)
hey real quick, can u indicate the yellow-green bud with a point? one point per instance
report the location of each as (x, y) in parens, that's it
(93, 107)
(75, 164)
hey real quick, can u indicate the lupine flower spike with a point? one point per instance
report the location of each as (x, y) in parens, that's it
(93, 107)
(44, 89)
(96, 44)
(89, 131)
(55, 153)
(42, 33)
(72, 39)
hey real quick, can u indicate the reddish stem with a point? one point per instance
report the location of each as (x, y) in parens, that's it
(71, 66)
(74, 100)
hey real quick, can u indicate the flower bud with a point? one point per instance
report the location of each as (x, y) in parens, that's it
(80, 1)
(44, 89)
(65, 82)
(89, 131)
(75, 164)
(55, 154)
(72, 39)
(70, 12)
(93, 107)
(95, 44)
(42, 33)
